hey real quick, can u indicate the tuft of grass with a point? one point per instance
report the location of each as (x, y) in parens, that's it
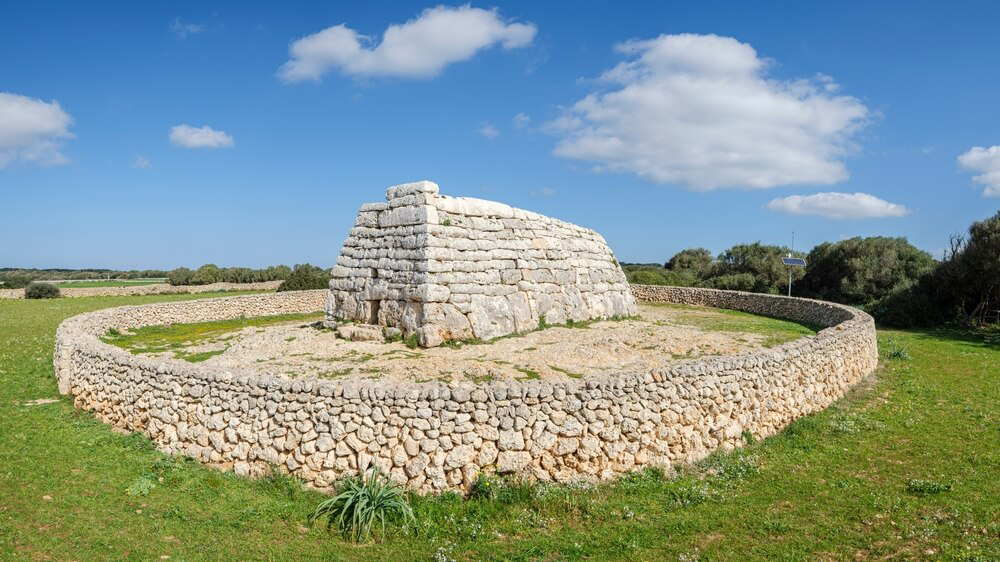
(926, 487)
(569, 374)
(364, 505)
(410, 341)
(895, 351)
(528, 373)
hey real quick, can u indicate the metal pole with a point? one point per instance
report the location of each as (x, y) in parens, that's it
(790, 253)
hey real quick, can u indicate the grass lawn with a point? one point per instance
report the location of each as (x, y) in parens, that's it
(907, 466)
(156, 339)
(128, 283)
(777, 330)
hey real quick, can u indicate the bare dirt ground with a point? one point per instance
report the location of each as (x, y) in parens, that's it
(661, 335)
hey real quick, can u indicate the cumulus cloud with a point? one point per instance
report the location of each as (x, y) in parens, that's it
(488, 131)
(986, 161)
(32, 130)
(142, 163)
(522, 120)
(700, 111)
(199, 137)
(544, 192)
(838, 206)
(419, 48)
(182, 29)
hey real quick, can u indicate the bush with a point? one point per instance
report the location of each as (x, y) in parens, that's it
(16, 280)
(305, 277)
(180, 276)
(36, 290)
(863, 271)
(361, 504)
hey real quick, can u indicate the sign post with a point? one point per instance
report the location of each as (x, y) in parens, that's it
(792, 262)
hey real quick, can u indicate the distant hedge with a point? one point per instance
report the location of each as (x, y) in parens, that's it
(306, 276)
(211, 273)
(37, 290)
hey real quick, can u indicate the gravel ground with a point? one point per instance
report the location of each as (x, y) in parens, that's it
(655, 339)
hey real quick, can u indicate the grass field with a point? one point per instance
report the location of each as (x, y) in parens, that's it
(127, 283)
(905, 467)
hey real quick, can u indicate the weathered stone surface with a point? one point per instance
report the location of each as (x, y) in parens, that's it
(447, 268)
(360, 332)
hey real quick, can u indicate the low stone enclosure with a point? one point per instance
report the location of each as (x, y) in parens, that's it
(152, 289)
(435, 436)
(457, 268)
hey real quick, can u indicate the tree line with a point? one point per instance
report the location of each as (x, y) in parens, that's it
(890, 278)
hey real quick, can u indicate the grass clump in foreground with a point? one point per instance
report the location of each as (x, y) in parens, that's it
(176, 337)
(364, 505)
(840, 484)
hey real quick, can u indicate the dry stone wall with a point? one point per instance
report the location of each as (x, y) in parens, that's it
(454, 268)
(432, 436)
(153, 289)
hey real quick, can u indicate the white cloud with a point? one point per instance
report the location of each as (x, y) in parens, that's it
(32, 130)
(838, 206)
(522, 120)
(419, 48)
(544, 192)
(142, 163)
(182, 30)
(199, 137)
(488, 131)
(699, 111)
(987, 162)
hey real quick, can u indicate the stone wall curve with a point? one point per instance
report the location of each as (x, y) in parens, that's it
(434, 436)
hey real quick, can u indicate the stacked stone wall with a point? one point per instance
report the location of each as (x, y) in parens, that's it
(454, 268)
(433, 436)
(152, 289)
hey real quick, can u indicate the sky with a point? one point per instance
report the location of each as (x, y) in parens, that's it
(158, 135)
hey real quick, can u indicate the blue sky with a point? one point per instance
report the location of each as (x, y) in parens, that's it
(661, 125)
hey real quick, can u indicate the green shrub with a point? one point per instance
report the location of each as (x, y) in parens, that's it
(926, 487)
(36, 290)
(180, 276)
(364, 505)
(305, 277)
(15, 280)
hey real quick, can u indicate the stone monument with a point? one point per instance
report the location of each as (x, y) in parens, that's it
(455, 268)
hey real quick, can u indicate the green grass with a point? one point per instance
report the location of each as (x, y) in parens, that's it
(158, 339)
(128, 283)
(903, 468)
(775, 330)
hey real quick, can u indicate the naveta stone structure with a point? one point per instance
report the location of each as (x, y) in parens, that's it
(455, 268)
(434, 436)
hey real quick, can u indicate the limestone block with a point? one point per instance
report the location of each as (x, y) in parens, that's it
(360, 332)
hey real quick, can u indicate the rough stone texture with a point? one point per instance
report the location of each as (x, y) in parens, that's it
(453, 268)
(434, 436)
(154, 289)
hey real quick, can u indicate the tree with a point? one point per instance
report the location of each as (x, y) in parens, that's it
(306, 276)
(697, 260)
(861, 271)
(762, 262)
(180, 276)
(206, 274)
